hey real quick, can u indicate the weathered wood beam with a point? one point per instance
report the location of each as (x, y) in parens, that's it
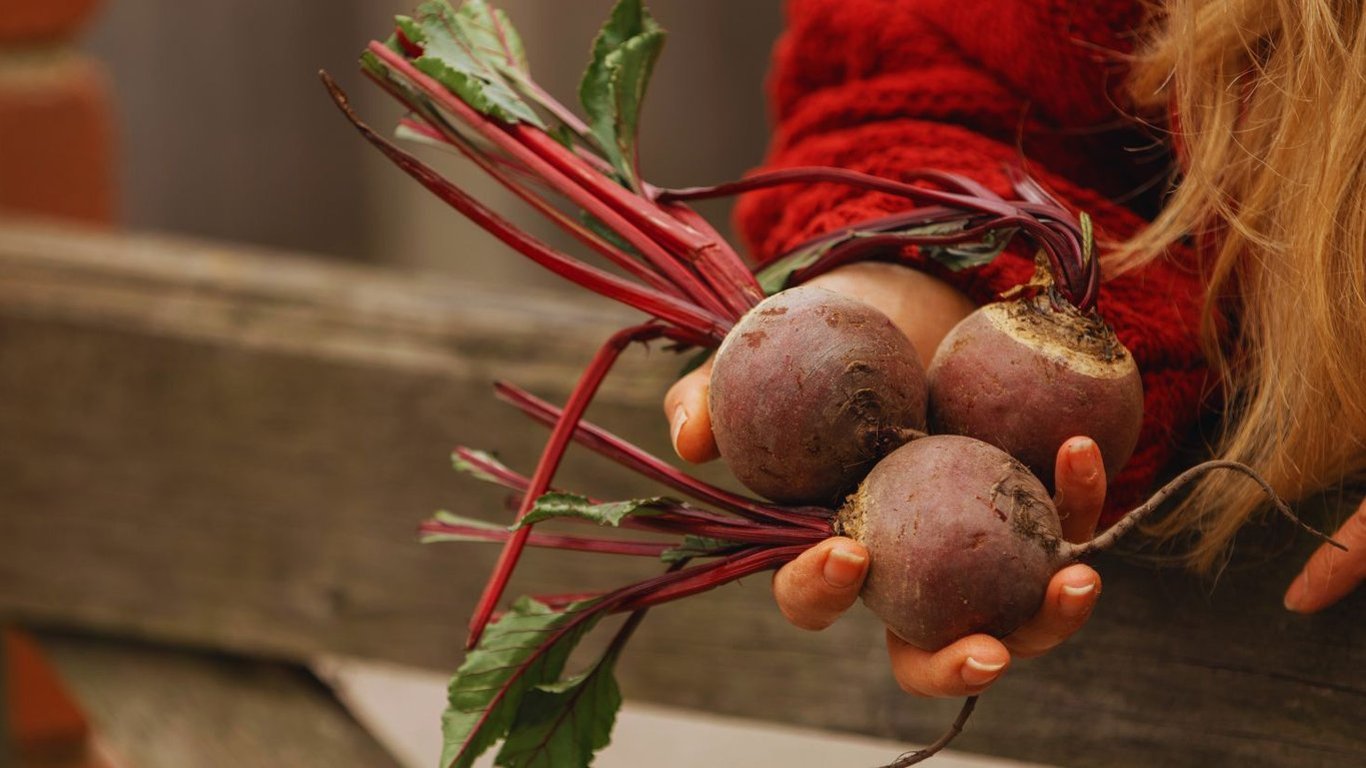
(231, 449)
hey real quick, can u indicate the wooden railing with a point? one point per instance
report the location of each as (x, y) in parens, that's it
(231, 449)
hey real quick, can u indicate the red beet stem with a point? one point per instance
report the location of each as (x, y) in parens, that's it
(810, 174)
(1064, 253)
(720, 264)
(552, 541)
(506, 174)
(668, 308)
(554, 449)
(564, 171)
(857, 249)
(605, 443)
(675, 517)
(713, 574)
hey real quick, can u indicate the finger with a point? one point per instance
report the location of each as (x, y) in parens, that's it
(1070, 598)
(813, 590)
(967, 666)
(1331, 574)
(685, 405)
(1079, 476)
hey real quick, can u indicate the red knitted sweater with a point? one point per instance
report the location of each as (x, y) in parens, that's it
(970, 86)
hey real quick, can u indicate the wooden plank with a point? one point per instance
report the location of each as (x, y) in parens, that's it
(231, 449)
(156, 707)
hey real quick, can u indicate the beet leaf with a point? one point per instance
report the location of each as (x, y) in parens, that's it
(476, 464)
(470, 51)
(525, 649)
(960, 256)
(451, 521)
(697, 546)
(561, 505)
(565, 723)
(613, 87)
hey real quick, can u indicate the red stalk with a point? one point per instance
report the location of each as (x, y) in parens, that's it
(856, 248)
(1062, 249)
(697, 321)
(721, 265)
(560, 435)
(526, 145)
(609, 445)
(714, 259)
(712, 575)
(553, 541)
(675, 520)
(505, 177)
(809, 174)
(723, 269)
(992, 203)
(747, 534)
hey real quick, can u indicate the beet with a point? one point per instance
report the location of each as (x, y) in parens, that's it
(1027, 375)
(962, 538)
(809, 390)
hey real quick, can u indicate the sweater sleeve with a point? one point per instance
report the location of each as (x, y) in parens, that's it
(970, 86)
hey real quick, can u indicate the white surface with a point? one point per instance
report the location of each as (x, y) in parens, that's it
(402, 707)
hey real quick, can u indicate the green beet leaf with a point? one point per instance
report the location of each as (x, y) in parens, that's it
(561, 505)
(525, 649)
(696, 546)
(966, 255)
(775, 276)
(473, 470)
(613, 87)
(493, 37)
(471, 52)
(450, 518)
(565, 723)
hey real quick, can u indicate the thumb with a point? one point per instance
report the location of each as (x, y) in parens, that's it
(814, 589)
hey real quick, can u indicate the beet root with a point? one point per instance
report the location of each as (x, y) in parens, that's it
(809, 390)
(962, 538)
(1025, 376)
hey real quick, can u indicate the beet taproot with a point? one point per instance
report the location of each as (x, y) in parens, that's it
(809, 390)
(962, 538)
(1026, 375)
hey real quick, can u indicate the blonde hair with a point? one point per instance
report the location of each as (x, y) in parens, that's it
(1268, 107)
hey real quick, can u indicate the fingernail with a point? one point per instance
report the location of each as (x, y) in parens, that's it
(1075, 599)
(977, 673)
(843, 567)
(676, 425)
(1081, 459)
(1294, 597)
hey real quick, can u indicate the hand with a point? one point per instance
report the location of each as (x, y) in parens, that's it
(817, 587)
(1331, 574)
(813, 590)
